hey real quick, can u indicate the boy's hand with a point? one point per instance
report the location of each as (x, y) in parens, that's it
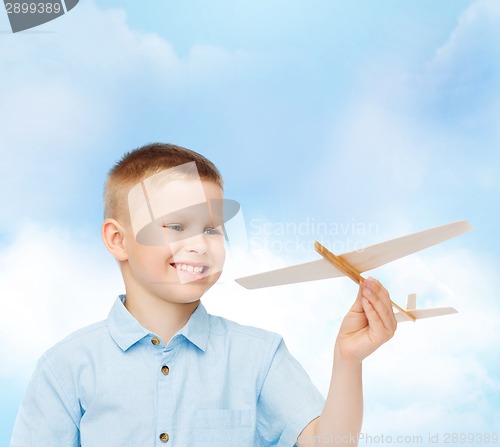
(369, 323)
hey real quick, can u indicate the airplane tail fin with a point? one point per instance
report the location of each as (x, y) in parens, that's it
(411, 306)
(411, 302)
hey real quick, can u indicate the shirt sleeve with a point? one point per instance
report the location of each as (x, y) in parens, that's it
(288, 399)
(47, 417)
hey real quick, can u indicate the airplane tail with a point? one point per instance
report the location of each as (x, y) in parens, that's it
(411, 307)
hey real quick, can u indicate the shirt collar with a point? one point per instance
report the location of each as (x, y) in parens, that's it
(197, 328)
(126, 330)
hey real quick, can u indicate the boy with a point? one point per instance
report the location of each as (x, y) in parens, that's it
(161, 370)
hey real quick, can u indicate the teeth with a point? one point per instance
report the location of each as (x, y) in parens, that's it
(189, 268)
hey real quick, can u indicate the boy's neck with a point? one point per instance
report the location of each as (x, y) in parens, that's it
(161, 317)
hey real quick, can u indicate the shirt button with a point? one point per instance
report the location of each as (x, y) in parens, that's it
(165, 369)
(155, 341)
(164, 437)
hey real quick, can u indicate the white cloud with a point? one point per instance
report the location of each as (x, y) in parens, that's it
(52, 284)
(476, 29)
(461, 79)
(379, 150)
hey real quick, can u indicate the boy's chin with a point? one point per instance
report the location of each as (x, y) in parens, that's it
(185, 296)
(192, 291)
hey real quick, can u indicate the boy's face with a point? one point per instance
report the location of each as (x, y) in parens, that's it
(178, 253)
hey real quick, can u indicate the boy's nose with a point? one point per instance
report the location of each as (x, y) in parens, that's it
(196, 244)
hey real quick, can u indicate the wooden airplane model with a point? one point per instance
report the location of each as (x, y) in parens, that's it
(353, 263)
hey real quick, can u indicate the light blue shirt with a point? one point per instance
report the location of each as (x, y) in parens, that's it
(216, 384)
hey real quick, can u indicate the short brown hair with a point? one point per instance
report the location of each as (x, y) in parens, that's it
(143, 162)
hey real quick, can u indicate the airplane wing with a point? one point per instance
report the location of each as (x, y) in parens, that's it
(425, 313)
(367, 259)
(308, 271)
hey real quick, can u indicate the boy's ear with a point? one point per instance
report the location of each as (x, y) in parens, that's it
(113, 236)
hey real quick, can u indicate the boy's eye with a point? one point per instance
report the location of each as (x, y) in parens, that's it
(175, 227)
(179, 228)
(211, 231)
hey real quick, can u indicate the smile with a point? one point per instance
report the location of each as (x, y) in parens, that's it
(190, 268)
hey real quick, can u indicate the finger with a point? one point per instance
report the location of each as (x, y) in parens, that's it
(378, 333)
(382, 303)
(357, 306)
(391, 321)
(377, 328)
(377, 287)
(379, 298)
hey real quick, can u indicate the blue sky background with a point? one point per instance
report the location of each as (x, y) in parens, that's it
(379, 117)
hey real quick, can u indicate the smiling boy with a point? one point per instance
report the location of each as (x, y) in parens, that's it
(160, 370)
(168, 262)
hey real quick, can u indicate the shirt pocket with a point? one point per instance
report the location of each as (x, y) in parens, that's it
(221, 427)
